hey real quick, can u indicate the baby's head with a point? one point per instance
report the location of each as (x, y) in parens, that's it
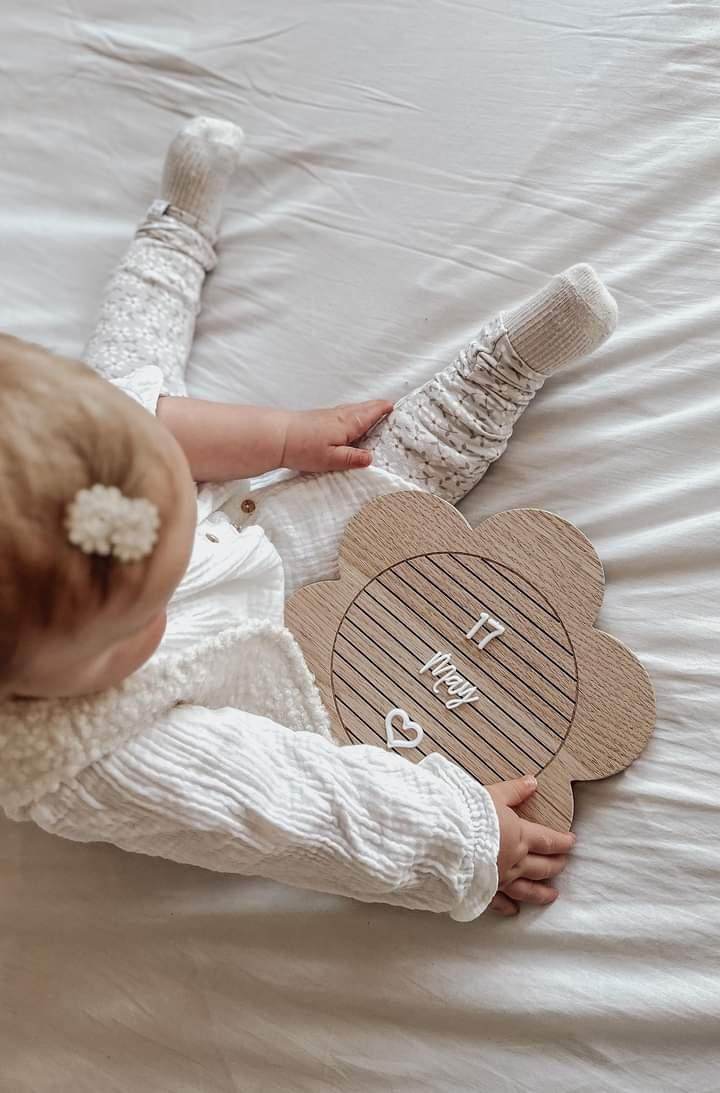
(73, 622)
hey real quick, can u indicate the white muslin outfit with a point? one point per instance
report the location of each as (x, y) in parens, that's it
(218, 751)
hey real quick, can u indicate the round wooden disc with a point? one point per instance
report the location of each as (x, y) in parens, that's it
(524, 680)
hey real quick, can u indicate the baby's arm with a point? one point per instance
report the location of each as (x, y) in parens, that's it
(235, 792)
(224, 441)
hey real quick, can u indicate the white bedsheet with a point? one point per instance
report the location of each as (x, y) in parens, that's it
(411, 167)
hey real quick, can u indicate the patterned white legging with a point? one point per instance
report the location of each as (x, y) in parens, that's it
(442, 437)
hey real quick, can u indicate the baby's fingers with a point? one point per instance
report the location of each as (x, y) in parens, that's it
(539, 867)
(361, 416)
(530, 891)
(347, 459)
(545, 840)
(503, 905)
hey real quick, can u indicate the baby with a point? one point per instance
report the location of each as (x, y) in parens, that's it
(150, 695)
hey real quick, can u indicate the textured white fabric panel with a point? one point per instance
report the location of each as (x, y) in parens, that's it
(238, 793)
(410, 170)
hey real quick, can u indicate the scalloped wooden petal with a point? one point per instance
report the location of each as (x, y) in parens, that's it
(552, 696)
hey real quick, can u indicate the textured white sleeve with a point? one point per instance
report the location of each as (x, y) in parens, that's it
(235, 792)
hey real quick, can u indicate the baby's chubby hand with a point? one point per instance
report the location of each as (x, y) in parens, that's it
(529, 855)
(321, 440)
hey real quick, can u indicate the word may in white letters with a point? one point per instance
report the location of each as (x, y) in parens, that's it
(446, 673)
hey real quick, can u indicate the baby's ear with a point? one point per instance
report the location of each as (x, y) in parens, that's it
(550, 553)
(397, 526)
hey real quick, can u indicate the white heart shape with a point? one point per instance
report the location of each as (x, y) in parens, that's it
(394, 741)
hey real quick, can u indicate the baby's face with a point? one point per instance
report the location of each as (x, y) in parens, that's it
(128, 629)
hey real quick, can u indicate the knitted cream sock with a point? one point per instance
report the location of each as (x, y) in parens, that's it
(444, 436)
(199, 165)
(149, 309)
(567, 319)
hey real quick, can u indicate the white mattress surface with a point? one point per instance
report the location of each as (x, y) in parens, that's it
(410, 169)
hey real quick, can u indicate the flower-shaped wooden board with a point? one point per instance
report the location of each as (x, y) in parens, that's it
(476, 643)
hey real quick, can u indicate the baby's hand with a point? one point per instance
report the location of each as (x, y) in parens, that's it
(320, 440)
(530, 854)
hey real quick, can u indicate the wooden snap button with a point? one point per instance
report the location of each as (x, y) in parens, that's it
(248, 506)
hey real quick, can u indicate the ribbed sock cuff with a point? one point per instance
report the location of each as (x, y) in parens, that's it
(568, 319)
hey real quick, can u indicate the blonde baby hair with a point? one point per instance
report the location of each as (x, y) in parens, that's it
(64, 429)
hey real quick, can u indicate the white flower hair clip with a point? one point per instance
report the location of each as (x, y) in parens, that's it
(101, 520)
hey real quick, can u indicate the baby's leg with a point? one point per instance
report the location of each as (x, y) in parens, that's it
(148, 313)
(444, 436)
